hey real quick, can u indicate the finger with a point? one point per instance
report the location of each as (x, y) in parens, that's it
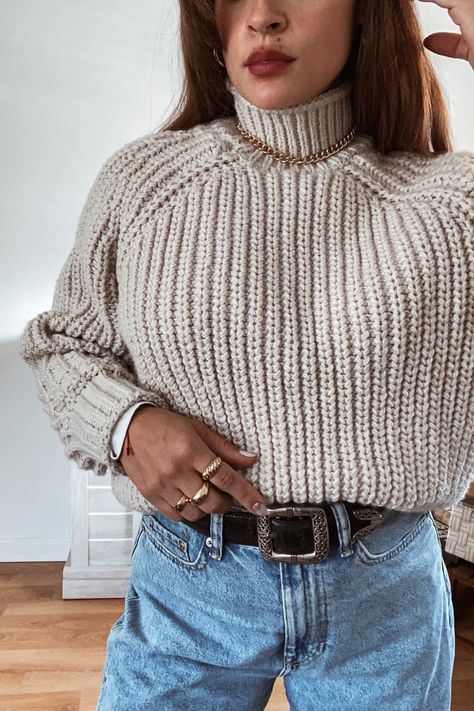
(230, 482)
(173, 487)
(447, 4)
(227, 450)
(190, 512)
(448, 44)
(167, 509)
(164, 507)
(215, 501)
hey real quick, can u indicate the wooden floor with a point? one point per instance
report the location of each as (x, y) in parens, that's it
(52, 650)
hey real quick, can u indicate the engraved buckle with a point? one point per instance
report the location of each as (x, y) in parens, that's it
(320, 534)
(368, 513)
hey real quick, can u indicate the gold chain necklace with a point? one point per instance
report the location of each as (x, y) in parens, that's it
(313, 158)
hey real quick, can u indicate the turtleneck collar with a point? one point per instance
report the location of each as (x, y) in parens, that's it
(301, 129)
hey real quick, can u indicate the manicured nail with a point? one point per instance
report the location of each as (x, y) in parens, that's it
(247, 454)
(259, 508)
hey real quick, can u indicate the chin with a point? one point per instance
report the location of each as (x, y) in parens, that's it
(267, 93)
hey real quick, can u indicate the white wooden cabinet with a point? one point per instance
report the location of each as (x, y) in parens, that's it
(103, 533)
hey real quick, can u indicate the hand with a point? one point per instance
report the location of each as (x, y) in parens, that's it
(451, 44)
(170, 451)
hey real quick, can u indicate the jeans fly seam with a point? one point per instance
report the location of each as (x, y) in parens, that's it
(289, 646)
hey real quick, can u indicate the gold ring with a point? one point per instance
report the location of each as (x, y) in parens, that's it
(182, 503)
(211, 469)
(201, 494)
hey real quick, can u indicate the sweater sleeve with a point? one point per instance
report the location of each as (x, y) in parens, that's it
(84, 372)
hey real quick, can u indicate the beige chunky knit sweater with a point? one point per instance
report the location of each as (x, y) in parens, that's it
(321, 315)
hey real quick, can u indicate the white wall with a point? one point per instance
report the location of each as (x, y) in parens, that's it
(78, 81)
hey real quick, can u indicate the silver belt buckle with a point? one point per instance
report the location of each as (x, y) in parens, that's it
(374, 515)
(320, 534)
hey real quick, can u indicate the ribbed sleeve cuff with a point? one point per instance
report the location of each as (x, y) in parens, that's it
(96, 411)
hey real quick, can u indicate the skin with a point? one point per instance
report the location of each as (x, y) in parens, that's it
(453, 44)
(317, 33)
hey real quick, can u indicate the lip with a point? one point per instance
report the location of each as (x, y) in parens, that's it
(267, 54)
(268, 69)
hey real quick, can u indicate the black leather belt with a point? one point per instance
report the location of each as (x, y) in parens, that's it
(292, 533)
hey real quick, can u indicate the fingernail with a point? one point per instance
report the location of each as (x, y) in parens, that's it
(259, 508)
(247, 454)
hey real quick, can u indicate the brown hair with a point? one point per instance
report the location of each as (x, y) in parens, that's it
(397, 98)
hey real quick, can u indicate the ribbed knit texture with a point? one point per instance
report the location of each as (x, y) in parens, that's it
(321, 315)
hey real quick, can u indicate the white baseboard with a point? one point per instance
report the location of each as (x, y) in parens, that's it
(95, 581)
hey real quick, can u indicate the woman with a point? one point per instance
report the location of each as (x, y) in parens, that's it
(285, 268)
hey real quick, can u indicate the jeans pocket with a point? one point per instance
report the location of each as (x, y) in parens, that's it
(181, 544)
(136, 542)
(398, 531)
(449, 593)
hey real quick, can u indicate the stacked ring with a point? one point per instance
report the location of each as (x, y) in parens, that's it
(203, 491)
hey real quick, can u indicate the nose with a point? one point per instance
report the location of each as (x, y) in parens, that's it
(265, 18)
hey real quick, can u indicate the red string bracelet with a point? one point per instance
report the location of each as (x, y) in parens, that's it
(128, 446)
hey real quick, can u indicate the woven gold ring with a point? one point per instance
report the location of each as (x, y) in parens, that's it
(211, 469)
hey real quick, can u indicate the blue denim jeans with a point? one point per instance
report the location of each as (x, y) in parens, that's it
(209, 626)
